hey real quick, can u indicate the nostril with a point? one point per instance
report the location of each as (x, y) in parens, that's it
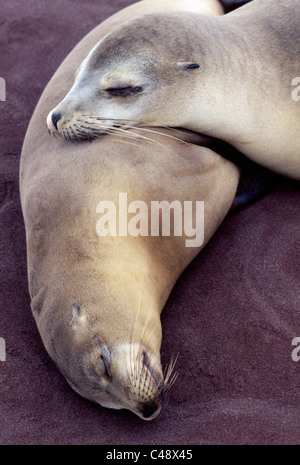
(55, 118)
(148, 411)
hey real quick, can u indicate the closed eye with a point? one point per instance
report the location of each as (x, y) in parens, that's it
(124, 91)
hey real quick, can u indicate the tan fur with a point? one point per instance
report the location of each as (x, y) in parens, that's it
(97, 300)
(241, 93)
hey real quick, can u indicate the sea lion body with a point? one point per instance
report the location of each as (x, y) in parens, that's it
(120, 284)
(227, 76)
(97, 300)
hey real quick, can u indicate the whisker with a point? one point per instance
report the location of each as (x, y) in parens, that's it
(123, 137)
(92, 126)
(141, 341)
(123, 133)
(90, 135)
(123, 141)
(146, 375)
(146, 324)
(85, 122)
(77, 139)
(107, 119)
(174, 130)
(171, 376)
(137, 122)
(136, 319)
(149, 341)
(170, 368)
(140, 137)
(171, 381)
(87, 127)
(111, 131)
(67, 135)
(160, 133)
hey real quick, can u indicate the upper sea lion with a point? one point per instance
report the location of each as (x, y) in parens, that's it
(227, 76)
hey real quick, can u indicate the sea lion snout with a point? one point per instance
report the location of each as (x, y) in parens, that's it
(148, 412)
(62, 119)
(55, 117)
(140, 373)
(130, 379)
(151, 410)
(54, 120)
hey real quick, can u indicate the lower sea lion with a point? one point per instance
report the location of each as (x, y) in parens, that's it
(227, 76)
(97, 300)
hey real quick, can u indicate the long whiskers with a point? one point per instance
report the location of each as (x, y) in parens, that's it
(142, 373)
(138, 122)
(160, 133)
(94, 127)
(132, 364)
(170, 376)
(138, 137)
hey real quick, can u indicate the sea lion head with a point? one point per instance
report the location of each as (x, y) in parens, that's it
(114, 373)
(137, 75)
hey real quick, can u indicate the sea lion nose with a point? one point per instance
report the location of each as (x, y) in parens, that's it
(55, 118)
(147, 412)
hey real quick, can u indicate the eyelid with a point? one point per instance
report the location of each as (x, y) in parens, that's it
(124, 90)
(106, 358)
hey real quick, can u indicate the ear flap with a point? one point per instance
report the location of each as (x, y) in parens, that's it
(185, 65)
(78, 317)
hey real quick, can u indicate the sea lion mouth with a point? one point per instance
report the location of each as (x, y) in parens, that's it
(154, 409)
(87, 128)
(83, 127)
(148, 412)
(138, 382)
